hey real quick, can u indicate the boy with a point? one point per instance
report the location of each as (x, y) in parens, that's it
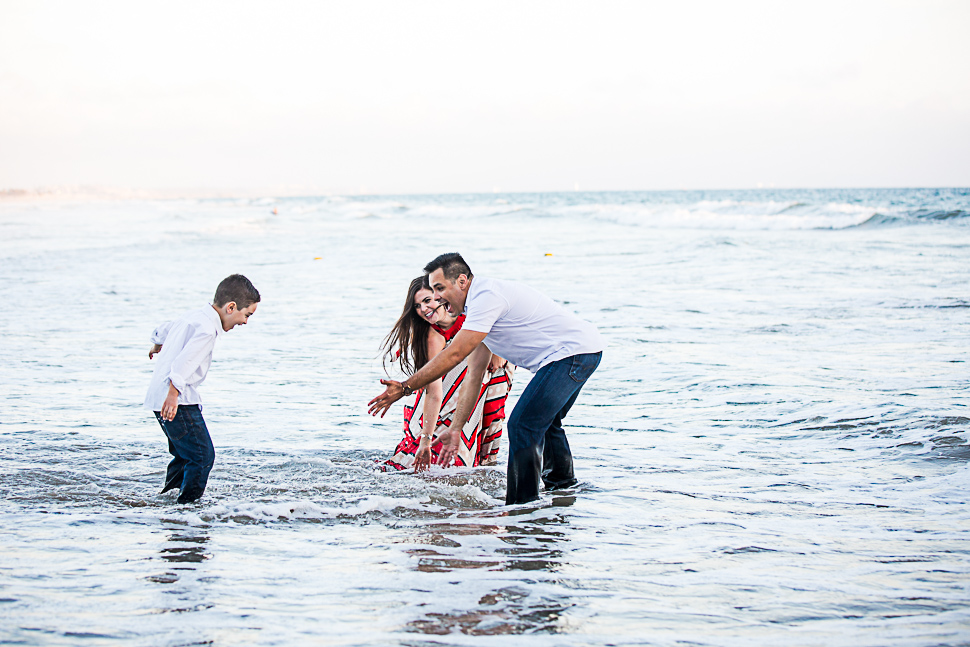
(184, 349)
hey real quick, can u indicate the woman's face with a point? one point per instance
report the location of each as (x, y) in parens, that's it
(428, 309)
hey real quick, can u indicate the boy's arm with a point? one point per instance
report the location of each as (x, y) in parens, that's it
(158, 338)
(161, 333)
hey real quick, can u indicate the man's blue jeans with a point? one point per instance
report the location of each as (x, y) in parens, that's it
(192, 451)
(537, 442)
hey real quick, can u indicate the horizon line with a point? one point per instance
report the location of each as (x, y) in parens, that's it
(107, 192)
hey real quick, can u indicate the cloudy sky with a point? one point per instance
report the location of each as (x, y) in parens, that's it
(414, 96)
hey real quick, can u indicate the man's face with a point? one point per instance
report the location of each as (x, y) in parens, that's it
(449, 293)
(236, 316)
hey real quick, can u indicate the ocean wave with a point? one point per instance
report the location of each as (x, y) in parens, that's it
(728, 210)
(881, 220)
(932, 436)
(928, 214)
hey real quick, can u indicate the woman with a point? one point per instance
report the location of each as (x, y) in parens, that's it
(421, 332)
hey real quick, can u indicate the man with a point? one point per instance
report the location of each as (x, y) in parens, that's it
(530, 330)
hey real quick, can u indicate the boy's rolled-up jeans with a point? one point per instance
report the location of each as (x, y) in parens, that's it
(192, 451)
(537, 442)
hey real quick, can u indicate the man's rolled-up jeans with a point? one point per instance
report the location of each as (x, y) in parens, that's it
(537, 442)
(192, 452)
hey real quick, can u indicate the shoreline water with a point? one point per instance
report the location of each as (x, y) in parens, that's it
(773, 451)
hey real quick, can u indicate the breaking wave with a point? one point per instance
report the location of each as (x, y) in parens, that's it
(790, 209)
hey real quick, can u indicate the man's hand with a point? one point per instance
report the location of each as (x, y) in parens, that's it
(171, 405)
(461, 346)
(422, 457)
(449, 447)
(383, 402)
(156, 348)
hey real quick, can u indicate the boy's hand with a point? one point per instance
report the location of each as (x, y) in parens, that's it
(156, 348)
(171, 405)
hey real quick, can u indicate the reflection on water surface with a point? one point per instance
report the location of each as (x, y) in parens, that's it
(529, 538)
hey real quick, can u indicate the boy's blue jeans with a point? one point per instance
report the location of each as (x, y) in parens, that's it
(192, 451)
(537, 442)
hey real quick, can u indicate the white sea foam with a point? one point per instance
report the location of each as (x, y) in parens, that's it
(280, 510)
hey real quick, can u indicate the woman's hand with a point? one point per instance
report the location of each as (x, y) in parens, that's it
(156, 348)
(422, 457)
(495, 363)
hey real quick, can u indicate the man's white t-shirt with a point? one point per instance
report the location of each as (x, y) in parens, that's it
(525, 326)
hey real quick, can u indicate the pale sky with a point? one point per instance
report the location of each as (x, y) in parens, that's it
(450, 96)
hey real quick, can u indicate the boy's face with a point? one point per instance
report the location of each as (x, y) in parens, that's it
(232, 316)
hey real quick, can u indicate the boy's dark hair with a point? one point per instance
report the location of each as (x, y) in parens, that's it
(452, 264)
(236, 288)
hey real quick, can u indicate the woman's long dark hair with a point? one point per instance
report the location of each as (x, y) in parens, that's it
(408, 339)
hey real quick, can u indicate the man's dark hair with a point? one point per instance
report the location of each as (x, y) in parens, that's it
(452, 264)
(236, 288)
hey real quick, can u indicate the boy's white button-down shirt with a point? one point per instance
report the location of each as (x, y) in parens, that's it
(186, 354)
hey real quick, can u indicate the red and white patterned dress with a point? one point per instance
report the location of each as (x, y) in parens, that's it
(482, 433)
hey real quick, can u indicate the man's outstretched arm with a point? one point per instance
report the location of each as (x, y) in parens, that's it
(471, 387)
(460, 347)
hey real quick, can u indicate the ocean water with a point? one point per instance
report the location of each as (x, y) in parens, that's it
(773, 452)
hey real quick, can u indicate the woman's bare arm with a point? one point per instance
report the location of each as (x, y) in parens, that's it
(432, 409)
